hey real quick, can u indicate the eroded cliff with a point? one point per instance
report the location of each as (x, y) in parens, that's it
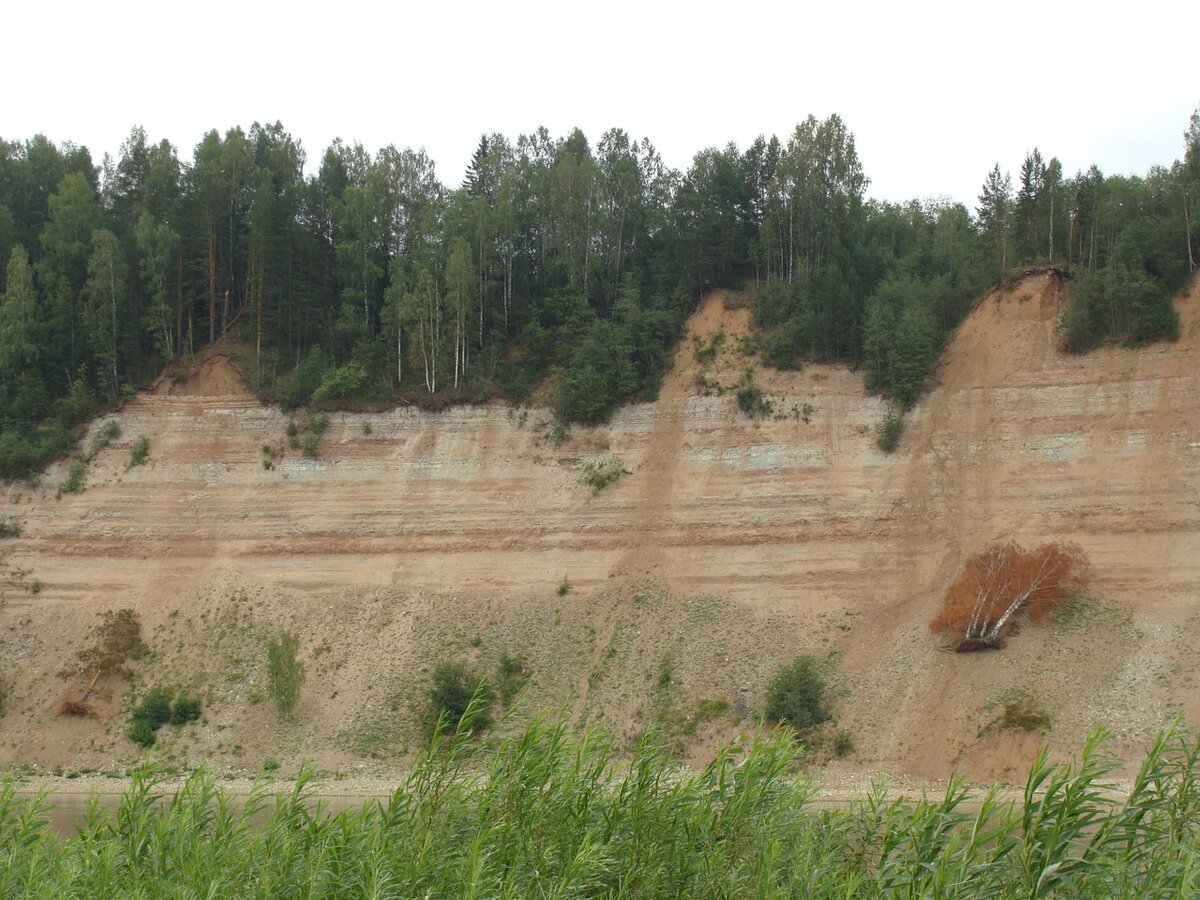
(727, 546)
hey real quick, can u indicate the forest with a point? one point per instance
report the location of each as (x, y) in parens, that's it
(558, 270)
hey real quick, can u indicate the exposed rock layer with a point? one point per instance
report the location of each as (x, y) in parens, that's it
(729, 546)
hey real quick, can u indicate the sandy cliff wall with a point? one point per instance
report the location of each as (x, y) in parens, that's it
(730, 546)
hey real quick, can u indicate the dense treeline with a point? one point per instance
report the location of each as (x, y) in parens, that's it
(369, 279)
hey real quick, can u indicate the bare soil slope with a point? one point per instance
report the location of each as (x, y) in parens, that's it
(730, 545)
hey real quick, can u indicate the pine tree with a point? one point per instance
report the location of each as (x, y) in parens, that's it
(476, 181)
(1029, 201)
(994, 202)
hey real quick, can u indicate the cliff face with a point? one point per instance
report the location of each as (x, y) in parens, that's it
(726, 546)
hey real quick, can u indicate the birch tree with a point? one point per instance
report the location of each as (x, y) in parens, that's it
(1191, 186)
(1004, 582)
(460, 302)
(105, 301)
(157, 244)
(18, 318)
(423, 315)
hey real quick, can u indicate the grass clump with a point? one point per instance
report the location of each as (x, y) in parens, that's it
(706, 351)
(564, 587)
(796, 696)
(139, 451)
(303, 433)
(73, 482)
(843, 743)
(9, 529)
(108, 433)
(1019, 711)
(599, 475)
(285, 673)
(511, 675)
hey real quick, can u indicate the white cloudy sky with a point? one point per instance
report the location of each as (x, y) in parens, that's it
(935, 93)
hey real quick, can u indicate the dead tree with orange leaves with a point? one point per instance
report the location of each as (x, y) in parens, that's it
(1001, 584)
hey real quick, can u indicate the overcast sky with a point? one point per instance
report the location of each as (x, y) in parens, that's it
(935, 93)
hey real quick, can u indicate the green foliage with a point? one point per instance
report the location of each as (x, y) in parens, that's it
(564, 587)
(511, 675)
(157, 709)
(796, 695)
(107, 433)
(599, 475)
(843, 743)
(19, 318)
(706, 351)
(451, 693)
(901, 338)
(303, 433)
(1118, 304)
(1019, 711)
(9, 529)
(139, 451)
(887, 436)
(185, 710)
(153, 712)
(548, 813)
(342, 384)
(142, 732)
(73, 482)
(751, 400)
(297, 387)
(563, 262)
(285, 673)
(599, 372)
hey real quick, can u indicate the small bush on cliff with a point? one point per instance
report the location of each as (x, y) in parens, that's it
(796, 696)
(450, 695)
(599, 475)
(139, 450)
(185, 709)
(150, 715)
(511, 676)
(887, 438)
(751, 400)
(156, 710)
(73, 483)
